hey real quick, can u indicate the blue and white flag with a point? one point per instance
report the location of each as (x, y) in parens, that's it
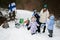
(12, 7)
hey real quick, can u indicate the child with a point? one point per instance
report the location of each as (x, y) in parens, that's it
(33, 25)
(51, 25)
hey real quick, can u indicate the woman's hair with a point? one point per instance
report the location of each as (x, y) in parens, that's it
(44, 9)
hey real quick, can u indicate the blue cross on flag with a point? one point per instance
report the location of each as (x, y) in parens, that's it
(12, 7)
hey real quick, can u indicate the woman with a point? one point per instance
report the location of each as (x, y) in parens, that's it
(44, 14)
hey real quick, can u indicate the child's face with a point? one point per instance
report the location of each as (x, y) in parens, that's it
(33, 19)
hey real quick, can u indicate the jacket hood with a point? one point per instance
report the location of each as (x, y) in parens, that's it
(52, 17)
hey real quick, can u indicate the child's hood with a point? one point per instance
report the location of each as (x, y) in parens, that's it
(52, 17)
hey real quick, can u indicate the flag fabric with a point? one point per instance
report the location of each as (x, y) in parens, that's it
(12, 7)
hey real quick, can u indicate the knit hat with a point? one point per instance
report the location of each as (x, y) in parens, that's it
(45, 6)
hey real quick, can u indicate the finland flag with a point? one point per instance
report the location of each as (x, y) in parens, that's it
(12, 7)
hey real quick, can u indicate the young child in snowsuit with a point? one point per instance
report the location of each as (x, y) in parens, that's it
(50, 25)
(33, 25)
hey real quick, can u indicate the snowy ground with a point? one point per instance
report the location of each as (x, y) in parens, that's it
(22, 33)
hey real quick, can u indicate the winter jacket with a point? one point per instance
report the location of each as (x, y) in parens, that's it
(37, 17)
(33, 26)
(44, 16)
(51, 23)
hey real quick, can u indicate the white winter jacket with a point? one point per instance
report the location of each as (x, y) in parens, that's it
(44, 16)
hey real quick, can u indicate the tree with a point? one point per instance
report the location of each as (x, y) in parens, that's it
(4, 3)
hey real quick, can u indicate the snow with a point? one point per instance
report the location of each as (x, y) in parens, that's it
(25, 14)
(22, 33)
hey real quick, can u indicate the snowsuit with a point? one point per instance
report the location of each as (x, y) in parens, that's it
(33, 27)
(50, 25)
